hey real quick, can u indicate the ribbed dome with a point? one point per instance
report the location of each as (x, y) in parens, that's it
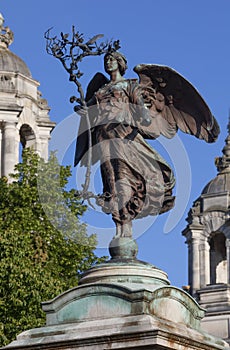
(221, 183)
(10, 62)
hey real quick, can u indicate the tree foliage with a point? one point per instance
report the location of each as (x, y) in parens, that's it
(43, 246)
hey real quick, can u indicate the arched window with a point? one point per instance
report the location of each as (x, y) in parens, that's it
(218, 259)
(27, 137)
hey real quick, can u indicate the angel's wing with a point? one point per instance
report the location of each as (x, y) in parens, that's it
(174, 99)
(95, 84)
(82, 142)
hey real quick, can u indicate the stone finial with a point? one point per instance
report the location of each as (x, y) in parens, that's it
(228, 122)
(1, 21)
(223, 163)
(6, 35)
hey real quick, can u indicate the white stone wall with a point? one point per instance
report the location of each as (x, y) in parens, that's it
(21, 105)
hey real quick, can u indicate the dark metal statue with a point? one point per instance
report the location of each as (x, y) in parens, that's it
(117, 115)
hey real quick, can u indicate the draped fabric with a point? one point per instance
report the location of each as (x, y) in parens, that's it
(136, 181)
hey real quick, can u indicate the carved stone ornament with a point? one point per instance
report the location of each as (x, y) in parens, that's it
(6, 34)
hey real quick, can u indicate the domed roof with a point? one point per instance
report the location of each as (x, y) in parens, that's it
(10, 62)
(220, 184)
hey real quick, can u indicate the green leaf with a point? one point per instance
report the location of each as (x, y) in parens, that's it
(43, 246)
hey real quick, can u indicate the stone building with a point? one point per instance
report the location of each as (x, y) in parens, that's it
(24, 115)
(124, 303)
(208, 239)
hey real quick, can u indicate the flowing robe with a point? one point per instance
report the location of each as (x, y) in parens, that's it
(137, 181)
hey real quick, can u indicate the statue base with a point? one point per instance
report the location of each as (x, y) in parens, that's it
(123, 248)
(121, 304)
(132, 273)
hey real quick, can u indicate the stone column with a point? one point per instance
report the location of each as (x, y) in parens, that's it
(227, 243)
(189, 243)
(17, 146)
(195, 264)
(1, 158)
(42, 146)
(204, 263)
(9, 149)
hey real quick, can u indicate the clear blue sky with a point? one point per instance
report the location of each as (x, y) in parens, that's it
(192, 37)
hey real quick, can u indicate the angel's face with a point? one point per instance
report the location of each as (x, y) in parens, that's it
(111, 64)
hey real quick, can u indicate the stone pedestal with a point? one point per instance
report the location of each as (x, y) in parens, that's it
(121, 304)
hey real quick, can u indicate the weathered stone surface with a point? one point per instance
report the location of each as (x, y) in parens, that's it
(129, 332)
(132, 273)
(24, 114)
(216, 301)
(121, 312)
(107, 300)
(208, 239)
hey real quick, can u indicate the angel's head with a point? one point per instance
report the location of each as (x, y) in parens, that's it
(115, 60)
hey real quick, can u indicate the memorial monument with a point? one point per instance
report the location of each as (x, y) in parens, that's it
(117, 115)
(126, 303)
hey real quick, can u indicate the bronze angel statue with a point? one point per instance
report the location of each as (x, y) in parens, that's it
(123, 113)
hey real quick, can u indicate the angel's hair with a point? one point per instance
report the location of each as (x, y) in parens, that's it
(121, 60)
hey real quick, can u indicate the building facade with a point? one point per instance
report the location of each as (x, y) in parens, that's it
(24, 118)
(208, 239)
